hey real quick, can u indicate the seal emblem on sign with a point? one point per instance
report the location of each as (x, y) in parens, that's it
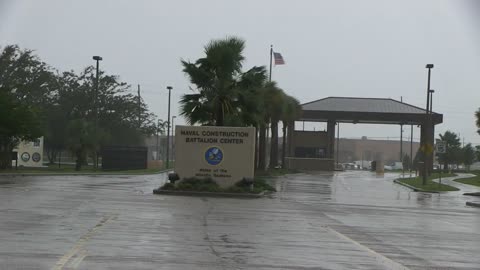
(213, 155)
(36, 157)
(25, 156)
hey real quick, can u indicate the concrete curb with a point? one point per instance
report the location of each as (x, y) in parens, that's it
(414, 188)
(474, 204)
(209, 194)
(472, 194)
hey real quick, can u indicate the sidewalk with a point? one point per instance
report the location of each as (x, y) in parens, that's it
(463, 188)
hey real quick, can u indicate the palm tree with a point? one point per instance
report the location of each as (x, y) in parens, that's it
(269, 97)
(216, 77)
(291, 111)
(276, 105)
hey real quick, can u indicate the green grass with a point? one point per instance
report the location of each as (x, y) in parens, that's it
(209, 185)
(474, 181)
(430, 186)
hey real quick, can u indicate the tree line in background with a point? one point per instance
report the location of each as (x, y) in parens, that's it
(36, 100)
(225, 95)
(456, 154)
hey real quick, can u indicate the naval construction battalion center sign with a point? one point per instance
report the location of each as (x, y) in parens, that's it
(225, 154)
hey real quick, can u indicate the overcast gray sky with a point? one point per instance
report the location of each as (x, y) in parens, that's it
(374, 48)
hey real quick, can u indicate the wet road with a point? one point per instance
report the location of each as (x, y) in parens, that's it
(351, 220)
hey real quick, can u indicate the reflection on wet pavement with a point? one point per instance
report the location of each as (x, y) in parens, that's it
(348, 220)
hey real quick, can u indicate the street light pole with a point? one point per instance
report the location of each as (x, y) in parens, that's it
(173, 125)
(431, 91)
(426, 129)
(429, 67)
(95, 97)
(169, 88)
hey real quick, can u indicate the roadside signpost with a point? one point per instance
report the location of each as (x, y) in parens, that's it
(441, 147)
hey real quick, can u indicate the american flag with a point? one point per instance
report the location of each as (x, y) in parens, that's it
(278, 59)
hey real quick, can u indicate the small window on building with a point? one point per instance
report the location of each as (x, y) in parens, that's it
(36, 143)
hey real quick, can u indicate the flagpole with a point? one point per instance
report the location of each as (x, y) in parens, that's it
(271, 54)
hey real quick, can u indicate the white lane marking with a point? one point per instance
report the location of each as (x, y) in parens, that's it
(78, 247)
(80, 256)
(388, 263)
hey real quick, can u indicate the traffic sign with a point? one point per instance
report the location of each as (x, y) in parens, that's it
(441, 147)
(427, 148)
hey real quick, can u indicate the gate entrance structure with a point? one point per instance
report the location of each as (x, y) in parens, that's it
(315, 150)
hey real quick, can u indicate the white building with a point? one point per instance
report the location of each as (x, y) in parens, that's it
(30, 153)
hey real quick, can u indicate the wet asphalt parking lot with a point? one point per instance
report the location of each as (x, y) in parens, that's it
(349, 220)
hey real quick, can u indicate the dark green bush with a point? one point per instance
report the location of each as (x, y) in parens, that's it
(209, 185)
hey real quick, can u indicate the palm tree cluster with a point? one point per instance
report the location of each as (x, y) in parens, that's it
(224, 95)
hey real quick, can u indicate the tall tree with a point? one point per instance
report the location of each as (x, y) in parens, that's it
(17, 122)
(276, 105)
(452, 156)
(24, 88)
(269, 97)
(216, 78)
(291, 111)
(224, 94)
(468, 155)
(477, 121)
(122, 120)
(477, 152)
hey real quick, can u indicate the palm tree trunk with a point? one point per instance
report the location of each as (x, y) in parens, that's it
(284, 142)
(219, 117)
(274, 145)
(262, 147)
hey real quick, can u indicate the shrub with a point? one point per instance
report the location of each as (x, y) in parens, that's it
(168, 186)
(209, 185)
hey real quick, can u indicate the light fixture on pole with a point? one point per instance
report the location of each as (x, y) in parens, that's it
(169, 88)
(95, 97)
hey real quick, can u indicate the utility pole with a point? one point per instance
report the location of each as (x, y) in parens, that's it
(139, 107)
(95, 111)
